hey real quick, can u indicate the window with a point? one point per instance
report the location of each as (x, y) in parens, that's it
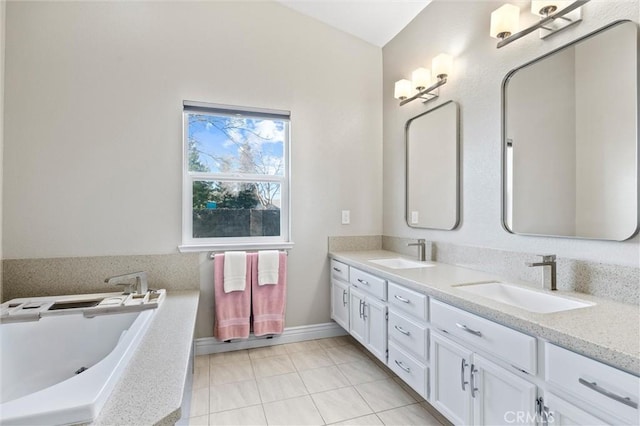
(236, 177)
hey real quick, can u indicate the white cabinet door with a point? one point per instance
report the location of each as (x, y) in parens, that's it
(449, 379)
(376, 319)
(357, 322)
(340, 303)
(499, 396)
(563, 413)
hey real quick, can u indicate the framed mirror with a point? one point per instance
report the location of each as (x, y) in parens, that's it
(432, 168)
(570, 141)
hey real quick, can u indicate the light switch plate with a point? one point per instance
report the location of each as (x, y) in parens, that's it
(346, 217)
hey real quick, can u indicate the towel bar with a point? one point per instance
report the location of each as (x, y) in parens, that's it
(213, 253)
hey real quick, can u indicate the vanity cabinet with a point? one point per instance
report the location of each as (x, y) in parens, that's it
(368, 323)
(469, 389)
(603, 390)
(340, 303)
(562, 413)
(340, 293)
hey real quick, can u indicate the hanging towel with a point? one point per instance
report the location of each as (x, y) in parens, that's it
(232, 310)
(235, 271)
(268, 264)
(269, 300)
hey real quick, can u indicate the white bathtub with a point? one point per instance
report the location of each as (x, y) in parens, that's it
(39, 360)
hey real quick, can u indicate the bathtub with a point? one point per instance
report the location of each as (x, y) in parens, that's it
(62, 368)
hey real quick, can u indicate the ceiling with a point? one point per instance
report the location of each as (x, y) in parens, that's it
(375, 21)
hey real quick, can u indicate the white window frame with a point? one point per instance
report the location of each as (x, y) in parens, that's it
(189, 243)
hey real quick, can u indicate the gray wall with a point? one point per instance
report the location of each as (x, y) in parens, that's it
(461, 28)
(93, 136)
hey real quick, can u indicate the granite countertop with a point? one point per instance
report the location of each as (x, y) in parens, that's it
(151, 387)
(608, 331)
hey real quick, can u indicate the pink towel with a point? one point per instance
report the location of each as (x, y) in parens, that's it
(269, 300)
(232, 309)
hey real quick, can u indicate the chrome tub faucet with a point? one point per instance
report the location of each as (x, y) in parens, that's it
(422, 248)
(140, 286)
(548, 264)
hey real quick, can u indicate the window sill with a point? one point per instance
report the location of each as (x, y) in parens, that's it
(190, 248)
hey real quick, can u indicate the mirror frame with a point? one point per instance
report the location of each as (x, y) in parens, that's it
(406, 169)
(503, 130)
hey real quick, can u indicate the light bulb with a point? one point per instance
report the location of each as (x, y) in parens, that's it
(421, 78)
(402, 89)
(442, 65)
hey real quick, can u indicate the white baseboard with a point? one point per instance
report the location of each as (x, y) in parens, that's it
(211, 345)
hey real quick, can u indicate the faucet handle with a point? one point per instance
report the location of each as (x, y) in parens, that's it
(548, 257)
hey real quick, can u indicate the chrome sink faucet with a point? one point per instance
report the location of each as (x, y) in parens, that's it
(140, 286)
(548, 271)
(422, 248)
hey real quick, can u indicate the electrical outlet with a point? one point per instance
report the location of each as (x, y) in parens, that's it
(414, 217)
(346, 217)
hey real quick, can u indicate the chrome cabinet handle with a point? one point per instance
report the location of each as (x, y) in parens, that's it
(402, 330)
(472, 373)
(468, 330)
(595, 387)
(363, 281)
(364, 312)
(402, 299)
(360, 310)
(337, 269)
(344, 297)
(463, 382)
(401, 365)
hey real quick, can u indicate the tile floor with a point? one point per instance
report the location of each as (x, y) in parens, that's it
(318, 382)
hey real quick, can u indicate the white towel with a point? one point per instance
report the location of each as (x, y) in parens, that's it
(235, 271)
(268, 263)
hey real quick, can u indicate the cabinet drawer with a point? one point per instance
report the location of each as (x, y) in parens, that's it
(408, 369)
(409, 334)
(518, 349)
(339, 271)
(409, 301)
(601, 386)
(369, 283)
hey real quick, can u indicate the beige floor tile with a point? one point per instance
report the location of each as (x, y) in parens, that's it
(285, 386)
(409, 415)
(242, 416)
(415, 395)
(324, 379)
(201, 361)
(231, 372)
(199, 402)
(370, 420)
(309, 345)
(332, 342)
(346, 353)
(310, 359)
(200, 378)
(384, 395)
(340, 404)
(294, 411)
(273, 366)
(227, 357)
(362, 372)
(230, 396)
(438, 416)
(267, 351)
(199, 421)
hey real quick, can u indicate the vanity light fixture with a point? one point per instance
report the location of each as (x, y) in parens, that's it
(421, 85)
(555, 15)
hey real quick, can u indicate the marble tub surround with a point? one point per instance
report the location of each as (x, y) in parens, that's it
(79, 275)
(361, 242)
(619, 283)
(607, 331)
(151, 387)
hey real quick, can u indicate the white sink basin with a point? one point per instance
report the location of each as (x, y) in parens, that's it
(400, 263)
(528, 300)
